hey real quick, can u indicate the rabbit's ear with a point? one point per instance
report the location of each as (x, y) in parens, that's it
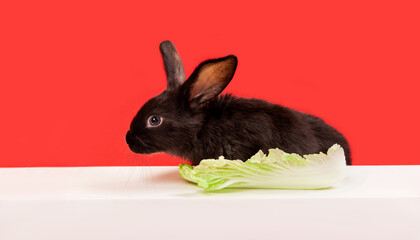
(209, 79)
(173, 65)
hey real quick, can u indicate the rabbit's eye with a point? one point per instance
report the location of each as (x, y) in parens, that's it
(154, 121)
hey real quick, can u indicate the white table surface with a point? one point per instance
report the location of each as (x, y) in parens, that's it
(373, 202)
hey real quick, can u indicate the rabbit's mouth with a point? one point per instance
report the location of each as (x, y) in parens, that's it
(137, 145)
(135, 148)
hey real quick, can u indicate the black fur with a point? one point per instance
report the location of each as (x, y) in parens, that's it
(173, 64)
(226, 125)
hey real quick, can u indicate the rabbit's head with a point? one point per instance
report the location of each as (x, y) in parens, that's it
(170, 121)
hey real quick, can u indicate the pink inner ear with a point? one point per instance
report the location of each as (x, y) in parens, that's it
(210, 80)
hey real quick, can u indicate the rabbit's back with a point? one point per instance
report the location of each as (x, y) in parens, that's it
(237, 128)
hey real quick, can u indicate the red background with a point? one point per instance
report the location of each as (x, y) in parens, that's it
(73, 74)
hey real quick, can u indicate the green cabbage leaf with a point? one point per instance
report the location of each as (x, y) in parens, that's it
(277, 169)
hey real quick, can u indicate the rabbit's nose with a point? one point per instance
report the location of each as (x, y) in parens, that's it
(129, 138)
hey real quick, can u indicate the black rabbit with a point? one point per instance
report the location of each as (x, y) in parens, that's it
(191, 121)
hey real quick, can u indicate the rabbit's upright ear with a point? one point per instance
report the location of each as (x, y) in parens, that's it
(173, 65)
(209, 79)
